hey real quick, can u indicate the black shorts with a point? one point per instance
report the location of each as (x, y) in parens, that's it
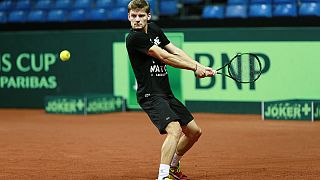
(164, 109)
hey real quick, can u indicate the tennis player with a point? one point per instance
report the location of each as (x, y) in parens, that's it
(149, 52)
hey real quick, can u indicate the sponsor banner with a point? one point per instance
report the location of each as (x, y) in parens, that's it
(289, 58)
(30, 68)
(289, 71)
(291, 110)
(104, 103)
(14, 67)
(86, 104)
(25, 76)
(65, 104)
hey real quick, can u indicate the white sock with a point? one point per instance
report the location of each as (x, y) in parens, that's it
(175, 160)
(163, 171)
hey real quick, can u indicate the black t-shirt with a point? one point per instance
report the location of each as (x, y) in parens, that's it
(151, 73)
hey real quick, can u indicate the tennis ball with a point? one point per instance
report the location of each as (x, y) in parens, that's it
(64, 55)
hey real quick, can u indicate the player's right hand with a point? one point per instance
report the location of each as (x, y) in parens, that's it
(210, 72)
(200, 72)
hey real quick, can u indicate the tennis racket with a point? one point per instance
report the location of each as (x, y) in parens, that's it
(243, 68)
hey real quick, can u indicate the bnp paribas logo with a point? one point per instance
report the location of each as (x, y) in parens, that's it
(289, 110)
(224, 58)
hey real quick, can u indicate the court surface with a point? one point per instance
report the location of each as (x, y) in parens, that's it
(126, 146)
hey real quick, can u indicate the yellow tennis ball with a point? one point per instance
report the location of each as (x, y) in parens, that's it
(65, 55)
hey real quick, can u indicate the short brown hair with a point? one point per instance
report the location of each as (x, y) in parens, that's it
(139, 4)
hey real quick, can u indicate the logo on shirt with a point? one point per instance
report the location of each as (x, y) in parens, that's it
(156, 41)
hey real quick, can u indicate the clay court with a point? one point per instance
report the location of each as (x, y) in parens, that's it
(36, 145)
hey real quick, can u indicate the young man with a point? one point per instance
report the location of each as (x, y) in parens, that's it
(149, 52)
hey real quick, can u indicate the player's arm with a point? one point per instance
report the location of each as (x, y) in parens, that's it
(171, 48)
(176, 60)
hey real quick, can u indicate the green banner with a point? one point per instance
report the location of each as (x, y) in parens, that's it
(65, 104)
(30, 67)
(284, 75)
(291, 110)
(290, 70)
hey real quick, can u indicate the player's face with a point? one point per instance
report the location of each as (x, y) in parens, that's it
(139, 19)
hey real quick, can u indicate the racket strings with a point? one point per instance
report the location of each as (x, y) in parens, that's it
(245, 68)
